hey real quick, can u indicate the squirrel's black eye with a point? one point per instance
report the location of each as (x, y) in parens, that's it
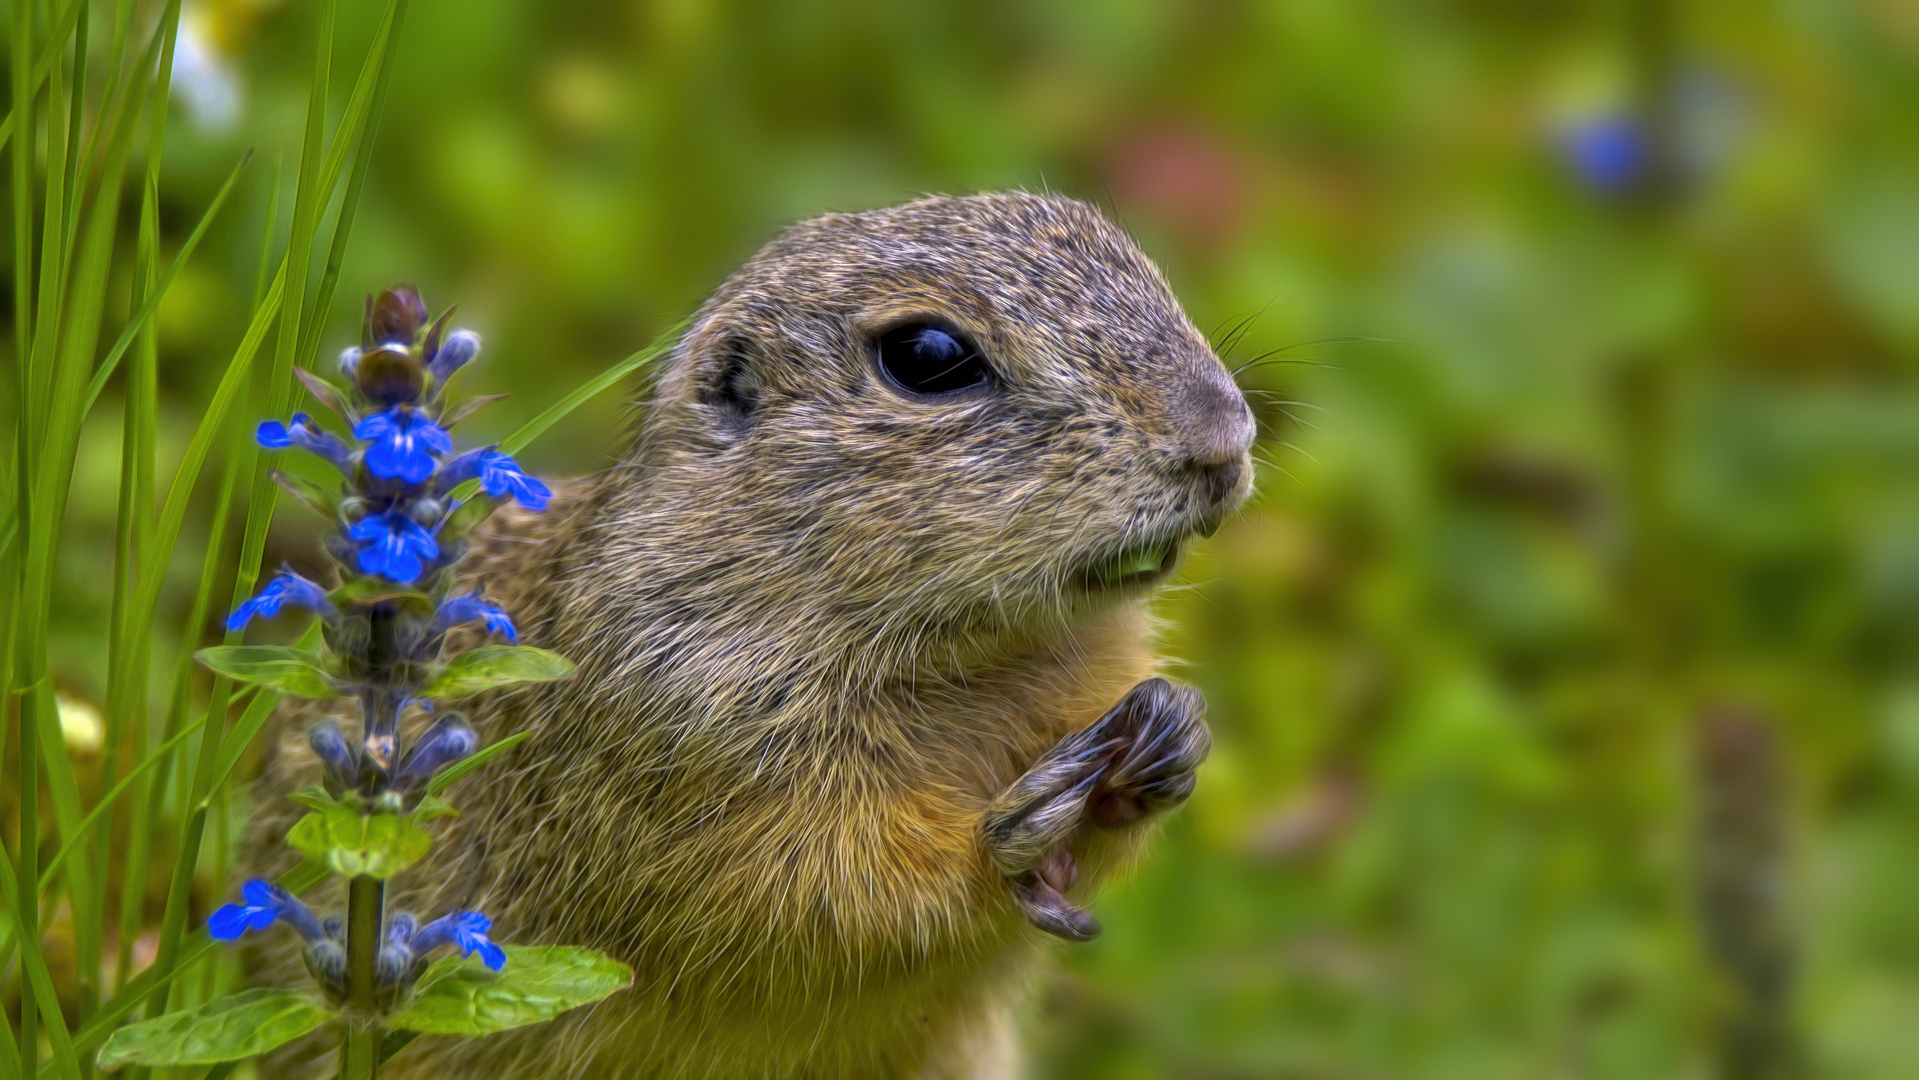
(932, 360)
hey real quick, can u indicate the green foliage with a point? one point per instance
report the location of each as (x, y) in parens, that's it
(225, 1029)
(280, 668)
(489, 667)
(459, 996)
(351, 842)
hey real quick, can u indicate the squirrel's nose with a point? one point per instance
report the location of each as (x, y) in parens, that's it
(1216, 431)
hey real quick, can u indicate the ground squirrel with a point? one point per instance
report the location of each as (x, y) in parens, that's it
(866, 688)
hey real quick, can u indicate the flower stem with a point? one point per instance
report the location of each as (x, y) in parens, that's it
(360, 1053)
(366, 903)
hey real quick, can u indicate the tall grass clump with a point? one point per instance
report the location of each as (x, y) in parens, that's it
(89, 88)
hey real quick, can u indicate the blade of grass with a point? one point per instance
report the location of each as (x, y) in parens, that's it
(25, 899)
(49, 53)
(152, 300)
(592, 388)
(245, 729)
(387, 42)
(452, 773)
(268, 221)
(104, 807)
(64, 412)
(76, 121)
(34, 962)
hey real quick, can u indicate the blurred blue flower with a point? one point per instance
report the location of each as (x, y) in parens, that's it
(404, 444)
(471, 608)
(1608, 153)
(454, 353)
(467, 929)
(394, 546)
(308, 436)
(499, 474)
(265, 904)
(286, 587)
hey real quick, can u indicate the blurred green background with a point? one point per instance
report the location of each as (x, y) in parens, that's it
(1562, 671)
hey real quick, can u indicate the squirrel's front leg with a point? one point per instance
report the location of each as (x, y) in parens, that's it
(1136, 760)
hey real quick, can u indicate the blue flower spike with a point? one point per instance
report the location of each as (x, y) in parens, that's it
(286, 588)
(471, 607)
(406, 444)
(394, 546)
(308, 436)
(467, 929)
(265, 904)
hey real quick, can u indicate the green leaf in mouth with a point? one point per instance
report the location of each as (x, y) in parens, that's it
(1138, 562)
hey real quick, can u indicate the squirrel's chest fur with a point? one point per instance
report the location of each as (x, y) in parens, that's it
(788, 856)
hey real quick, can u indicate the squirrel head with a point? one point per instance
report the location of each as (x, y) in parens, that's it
(959, 412)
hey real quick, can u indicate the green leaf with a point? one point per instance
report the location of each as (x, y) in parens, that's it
(456, 413)
(316, 497)
(491, 666)
(459, 996)
(432, 806)
(533, 428)
(373, 590)
(460, 768)
(276, 667)
(326, 393)
(352, 843)
(224, 1029)
(475, 507)
(314, 798)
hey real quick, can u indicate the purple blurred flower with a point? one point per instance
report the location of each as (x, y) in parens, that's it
(1608, 153)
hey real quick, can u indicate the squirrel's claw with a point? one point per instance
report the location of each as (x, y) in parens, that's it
(1041, 893)
(1157, 769)
(1135, 760)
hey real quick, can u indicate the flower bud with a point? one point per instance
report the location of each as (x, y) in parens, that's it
(330, 745)
(389, 375)
(454, 353)
(326, 962)
(399, 929)
(394, 965)
(447, 741)
(396, 315)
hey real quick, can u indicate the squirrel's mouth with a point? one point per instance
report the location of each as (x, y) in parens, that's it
(1141, 564)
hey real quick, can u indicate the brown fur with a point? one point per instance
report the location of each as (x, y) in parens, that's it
(816, 637)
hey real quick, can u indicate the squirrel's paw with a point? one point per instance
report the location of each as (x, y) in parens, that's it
(1137, 759)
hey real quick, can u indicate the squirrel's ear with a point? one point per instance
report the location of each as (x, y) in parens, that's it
(731, 386)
